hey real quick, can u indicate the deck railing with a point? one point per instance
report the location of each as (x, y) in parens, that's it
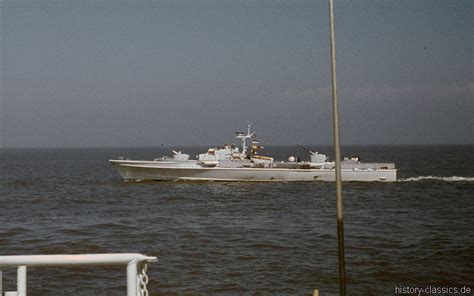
(137, 278)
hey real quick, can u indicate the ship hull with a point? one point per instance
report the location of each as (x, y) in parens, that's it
(157, 171)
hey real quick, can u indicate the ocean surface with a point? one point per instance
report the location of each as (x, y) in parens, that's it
(240, 238)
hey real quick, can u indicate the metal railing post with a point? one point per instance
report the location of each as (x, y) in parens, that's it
(21, 280)
(21, 262)
(132, 278)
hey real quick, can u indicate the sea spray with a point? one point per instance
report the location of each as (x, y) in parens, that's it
(438, 178)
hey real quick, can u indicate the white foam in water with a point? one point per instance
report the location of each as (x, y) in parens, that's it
(447, 179)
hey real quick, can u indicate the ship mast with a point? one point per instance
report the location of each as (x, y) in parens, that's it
(240, 135)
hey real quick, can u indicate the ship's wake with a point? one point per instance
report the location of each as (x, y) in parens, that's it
(438, 178)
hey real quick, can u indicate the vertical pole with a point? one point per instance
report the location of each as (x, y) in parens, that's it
(132, 280)
(21, 280)
(139, 269)
(1, 282)
(337, 156)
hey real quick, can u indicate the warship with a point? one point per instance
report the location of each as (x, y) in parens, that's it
(245, 164)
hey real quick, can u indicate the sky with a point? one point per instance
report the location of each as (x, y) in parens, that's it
(145, 73)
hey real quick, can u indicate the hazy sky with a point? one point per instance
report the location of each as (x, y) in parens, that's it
(145, 73)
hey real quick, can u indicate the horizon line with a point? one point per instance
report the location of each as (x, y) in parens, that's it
(200, 146)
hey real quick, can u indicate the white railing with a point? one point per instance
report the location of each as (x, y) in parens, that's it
(137, 278)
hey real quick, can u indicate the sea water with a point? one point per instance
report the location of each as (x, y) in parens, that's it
(240, 238)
